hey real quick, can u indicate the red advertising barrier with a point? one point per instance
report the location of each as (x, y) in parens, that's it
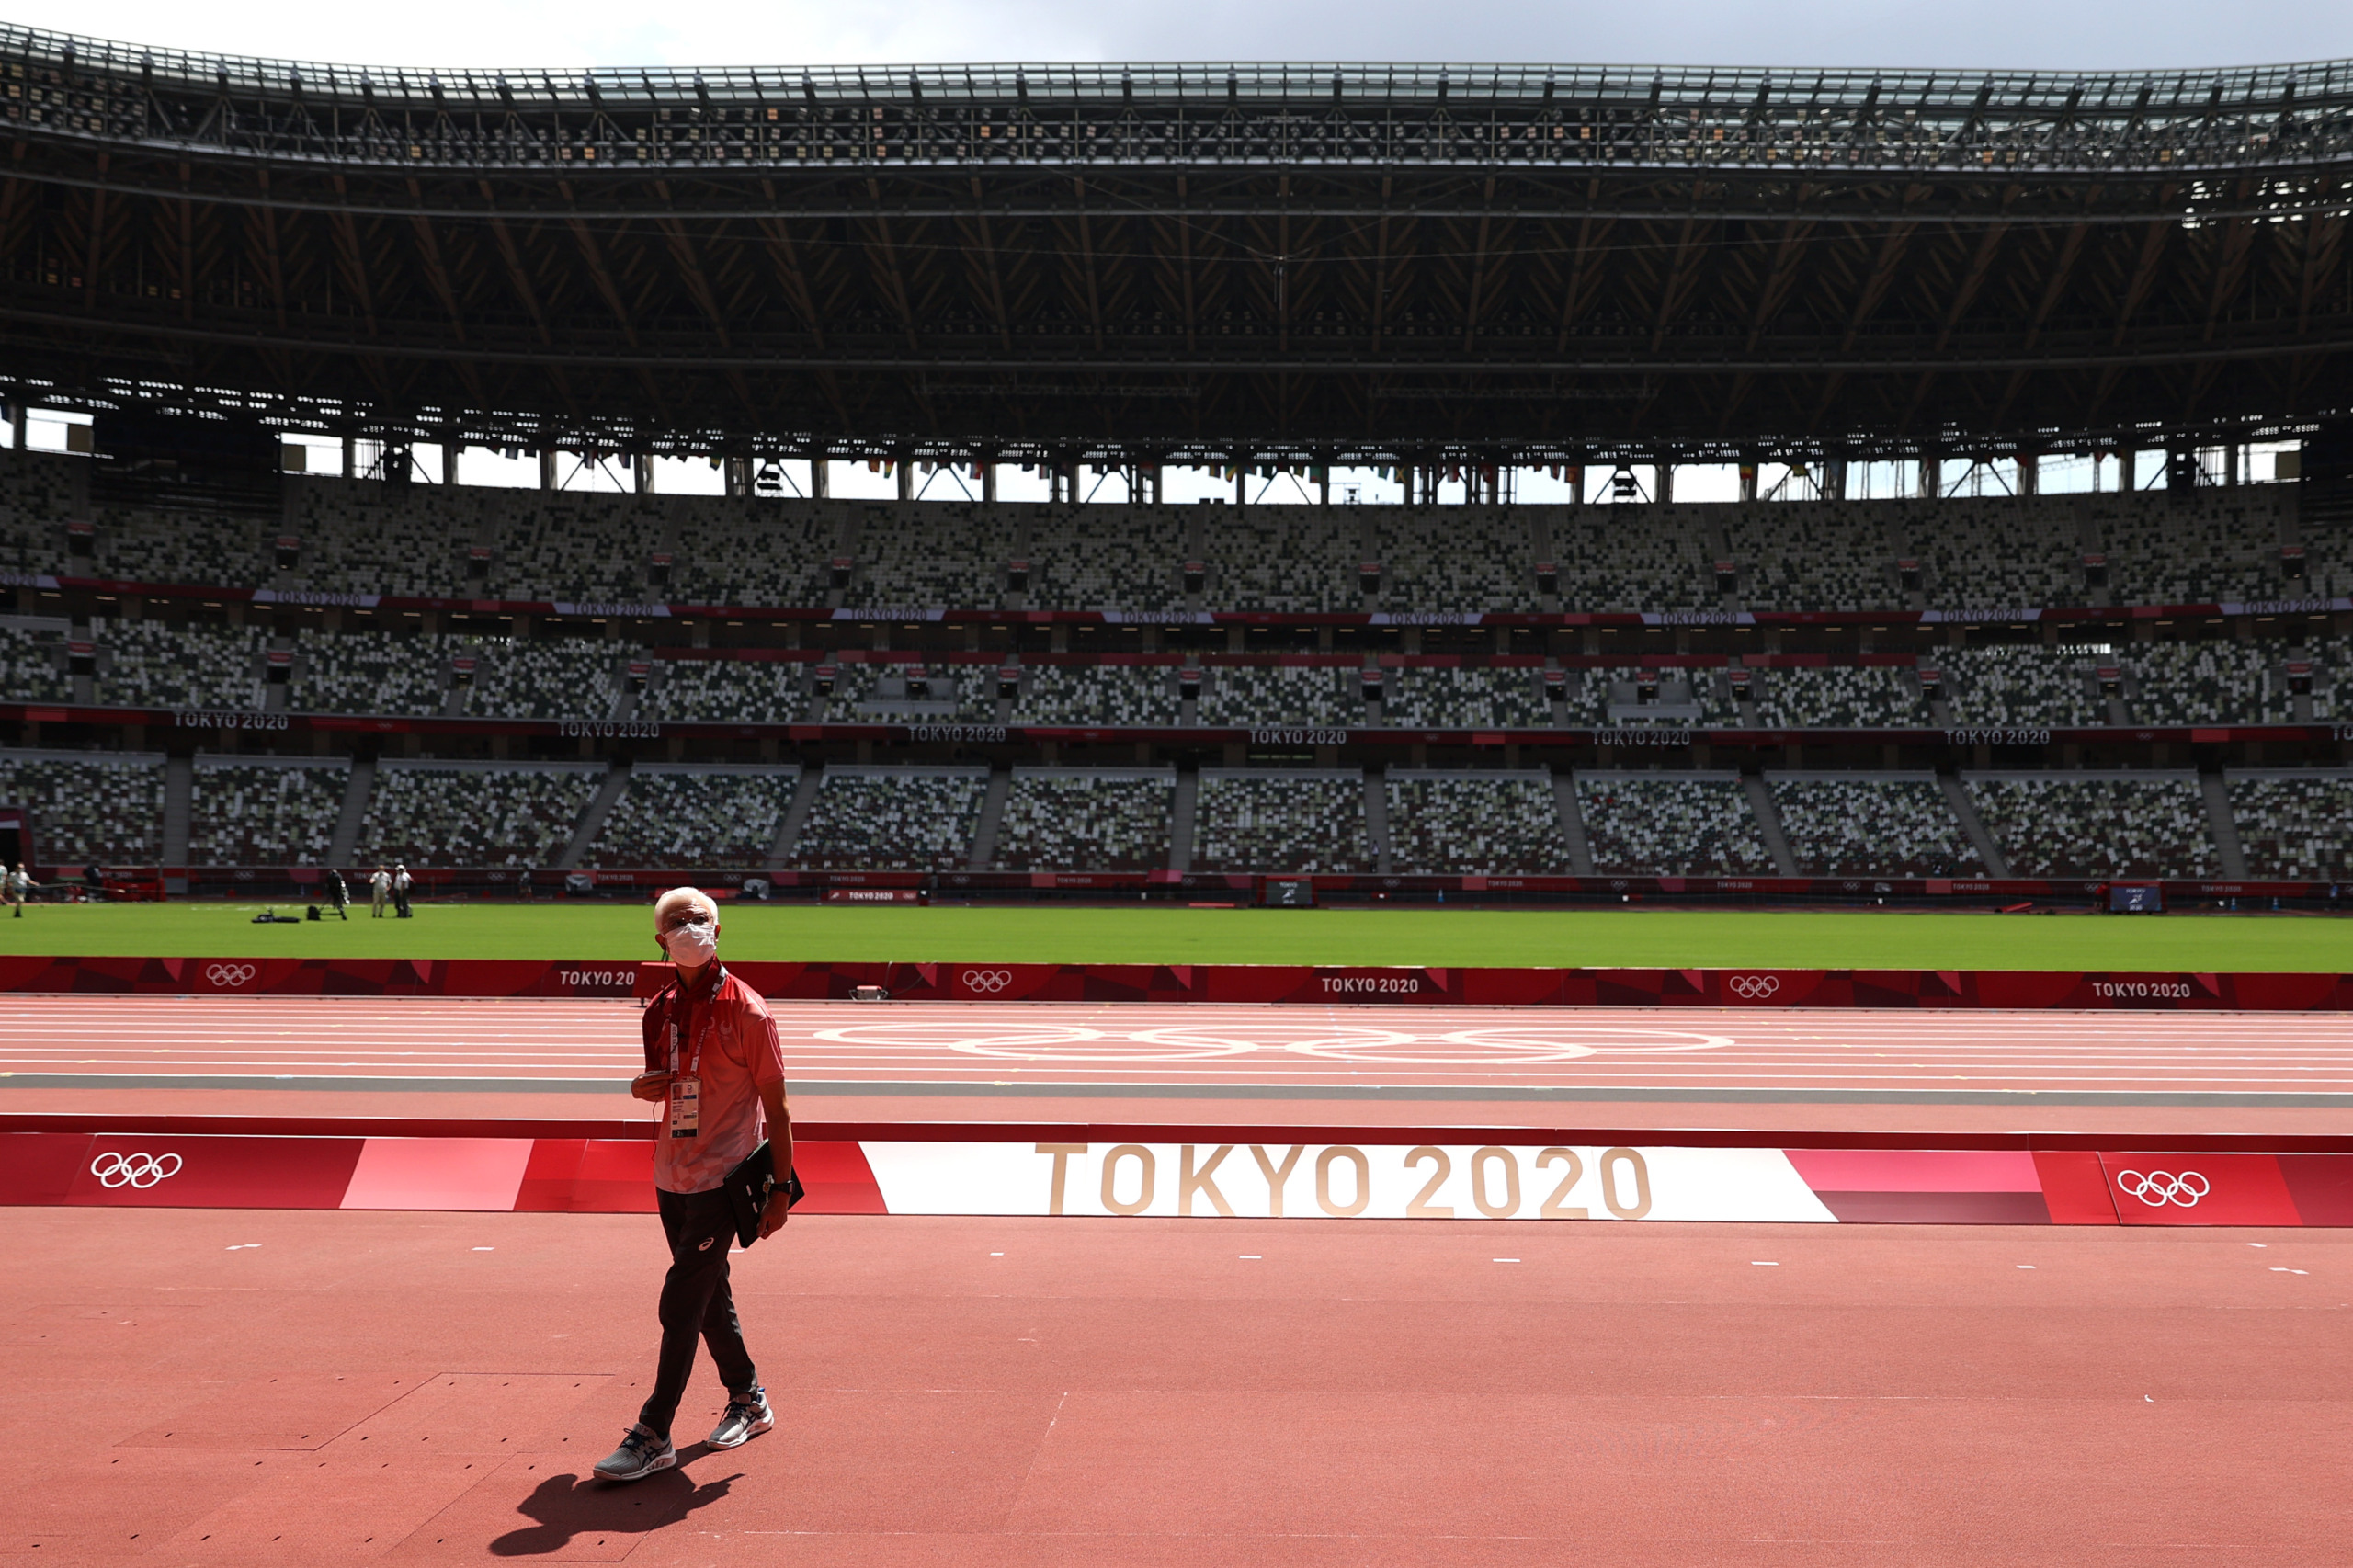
(572, 1175)
(993, 1168)
(1168, 983)
(318, 977)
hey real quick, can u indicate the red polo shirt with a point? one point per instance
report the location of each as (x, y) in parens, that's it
(728, 1024)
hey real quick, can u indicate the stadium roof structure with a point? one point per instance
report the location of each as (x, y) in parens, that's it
(1109, 263)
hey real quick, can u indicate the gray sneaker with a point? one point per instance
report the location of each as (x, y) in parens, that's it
(747, 1416)
(641, 1454)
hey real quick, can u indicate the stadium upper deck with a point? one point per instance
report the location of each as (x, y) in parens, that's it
(1413, 263)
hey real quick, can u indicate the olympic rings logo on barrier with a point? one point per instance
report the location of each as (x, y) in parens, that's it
(2160, 1187)
(140, 1171)
(1754, 987)
(988, 981)
(229, 975)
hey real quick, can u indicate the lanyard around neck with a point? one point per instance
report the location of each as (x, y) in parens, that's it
(699, 1022)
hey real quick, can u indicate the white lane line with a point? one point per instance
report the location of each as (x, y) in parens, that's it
(1892, 1022)
(2085, 1051)
(1502, 1062)
(1208, 1088)
(923, 1034)
(1010, 1039)
(1632, 1061)
(1585, 1071)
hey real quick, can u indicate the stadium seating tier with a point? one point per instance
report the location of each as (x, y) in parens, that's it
(2109, 825)
(891, 819)
(1476, 824)
(100, 807)
(1653, 825)
(2294, 827)
(694, 817)
(257, 813)
(451, 814)
(1872, 827)
(1095, 820)
(1280, 822)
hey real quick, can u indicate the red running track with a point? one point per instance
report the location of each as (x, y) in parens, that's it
(196, 1387)
(1206, 1048)
(2140, 1073)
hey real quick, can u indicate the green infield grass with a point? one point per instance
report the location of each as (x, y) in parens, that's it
(1444, 938)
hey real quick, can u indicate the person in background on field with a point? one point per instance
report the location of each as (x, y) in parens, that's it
(94, 884)
(20, 888)
(381, 885)
(523, 885)
(338, 890)
(399, 890)
(712, 1061)
(8, 893)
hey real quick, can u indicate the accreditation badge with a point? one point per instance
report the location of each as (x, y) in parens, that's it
(686, 1106)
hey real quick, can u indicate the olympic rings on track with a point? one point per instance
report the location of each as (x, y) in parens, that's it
(1306, 1037)
(1514, 1047)
(916, 1034)
(140, 1171)
(1590, 1039)
(2157, 1188)
(1033, 1043)
(1508, 1045)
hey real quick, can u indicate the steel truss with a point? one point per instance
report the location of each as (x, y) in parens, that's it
(1139, 263)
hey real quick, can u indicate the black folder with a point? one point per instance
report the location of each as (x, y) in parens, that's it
(748, 1187)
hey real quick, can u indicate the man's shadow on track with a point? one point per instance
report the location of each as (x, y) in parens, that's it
(567, 1507)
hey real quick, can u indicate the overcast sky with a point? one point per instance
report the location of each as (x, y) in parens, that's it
(2068, 34)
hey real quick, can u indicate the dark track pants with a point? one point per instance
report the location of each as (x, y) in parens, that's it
(697, 1303)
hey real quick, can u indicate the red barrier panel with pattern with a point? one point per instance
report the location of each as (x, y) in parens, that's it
(990, 1168)
(1165, 983)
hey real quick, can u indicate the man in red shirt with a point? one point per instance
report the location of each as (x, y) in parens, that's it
(712, 1060)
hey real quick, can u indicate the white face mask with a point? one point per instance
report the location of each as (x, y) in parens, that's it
(692, 945)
